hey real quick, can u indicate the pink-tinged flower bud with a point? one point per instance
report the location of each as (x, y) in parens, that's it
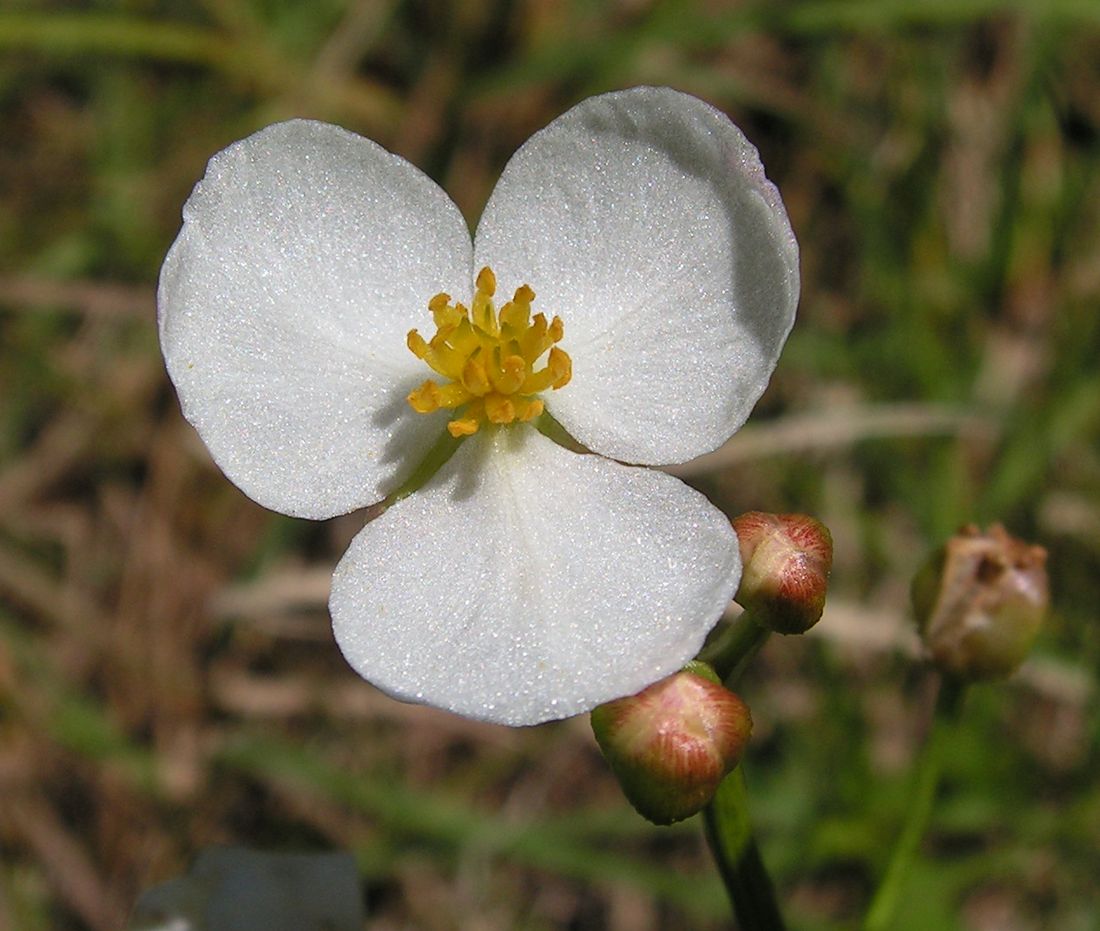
(979, 602)
(786, 560)
(674, 742)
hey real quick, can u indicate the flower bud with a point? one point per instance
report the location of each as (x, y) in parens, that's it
(786, 560)
(673, 743)
(979, 601)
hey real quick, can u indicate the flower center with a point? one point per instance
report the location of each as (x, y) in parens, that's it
(488, 359)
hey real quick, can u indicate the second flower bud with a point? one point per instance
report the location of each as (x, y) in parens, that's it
(673, 743)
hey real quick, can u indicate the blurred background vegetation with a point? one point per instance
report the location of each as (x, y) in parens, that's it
(167, 675)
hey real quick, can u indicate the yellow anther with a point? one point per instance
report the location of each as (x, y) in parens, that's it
(474, 377)
(453, 395)
(515, 316)
(424, 399)
(528, 408)
(416, 344)
(444, 358)
(556, 331)
(499, 408)
(488, 359)
(533, 342)
(508, 379)
(561, 367)
(465, 426)
(483, 317)
(487, 281)
(444, 313)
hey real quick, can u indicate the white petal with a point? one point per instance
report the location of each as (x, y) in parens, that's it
(306, 255)
(644, 219)
(525, 583)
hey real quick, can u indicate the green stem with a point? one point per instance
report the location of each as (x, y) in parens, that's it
(729, 834)
(885, 902)
(726, 817)
(735, 647)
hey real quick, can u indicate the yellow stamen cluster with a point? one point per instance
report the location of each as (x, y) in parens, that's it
(488, 359)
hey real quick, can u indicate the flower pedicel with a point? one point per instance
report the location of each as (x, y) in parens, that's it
(654, 279)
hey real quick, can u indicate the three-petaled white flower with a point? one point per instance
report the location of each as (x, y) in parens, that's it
(523, 582)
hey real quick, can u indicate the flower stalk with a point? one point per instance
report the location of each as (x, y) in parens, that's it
(978, 603)
(884, 905)
(730, 838)
(786, 560)
(730, 653)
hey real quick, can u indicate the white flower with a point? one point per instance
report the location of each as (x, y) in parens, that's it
(523, 582)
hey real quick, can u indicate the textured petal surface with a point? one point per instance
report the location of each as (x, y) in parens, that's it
(525, 583)
(644, 219)
(306, 255)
